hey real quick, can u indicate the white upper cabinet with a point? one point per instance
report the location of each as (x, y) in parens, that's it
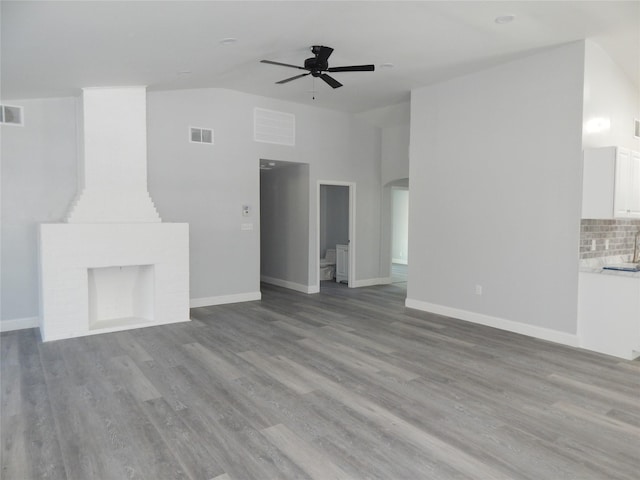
(611, 183)
(627, 186)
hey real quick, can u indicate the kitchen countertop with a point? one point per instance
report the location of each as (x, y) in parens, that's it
(595, 265)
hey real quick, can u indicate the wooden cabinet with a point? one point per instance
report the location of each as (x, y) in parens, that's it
(342, 263)
(611, 183)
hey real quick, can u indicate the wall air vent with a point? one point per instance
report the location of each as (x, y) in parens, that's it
(636, 128)
(11, 115)
(270, 126)
(200, 135)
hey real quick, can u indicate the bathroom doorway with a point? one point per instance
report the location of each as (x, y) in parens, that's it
(336, 236)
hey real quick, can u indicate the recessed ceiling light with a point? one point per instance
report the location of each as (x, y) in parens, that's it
(387, 65)
(502, 19)
(228, 41)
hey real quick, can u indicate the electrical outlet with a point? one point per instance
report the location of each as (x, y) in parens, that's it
(606, 244)
(593, 245)
(478, 289)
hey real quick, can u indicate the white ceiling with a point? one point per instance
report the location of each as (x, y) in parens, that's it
(54, 48)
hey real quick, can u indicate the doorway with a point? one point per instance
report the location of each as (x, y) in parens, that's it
(284, 224)
(399, 234)
(336, 235)
(394, 248)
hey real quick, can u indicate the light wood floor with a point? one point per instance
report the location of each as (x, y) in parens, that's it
(344, 384)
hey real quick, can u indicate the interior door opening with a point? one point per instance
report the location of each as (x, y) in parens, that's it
(394, 249)
(336, 248)
(284, 224)
(399, 234)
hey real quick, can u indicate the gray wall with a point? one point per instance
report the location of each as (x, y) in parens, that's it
(495, 168)
(38, 185)
(334, 216)
(284, 223)
(204, 185)
(394, 170)
(395, 152)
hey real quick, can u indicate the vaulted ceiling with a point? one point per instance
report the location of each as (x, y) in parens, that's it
(54, 48)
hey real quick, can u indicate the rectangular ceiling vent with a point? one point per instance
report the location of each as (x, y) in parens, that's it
(200, 135)
(10, 115)
(270, 126)
(636, 128)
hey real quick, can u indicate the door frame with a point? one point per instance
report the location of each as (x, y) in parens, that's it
(352, 229)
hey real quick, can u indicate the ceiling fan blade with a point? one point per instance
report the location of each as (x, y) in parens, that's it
(323, 53)
(282, 64)
(293, 78)
(330, 80)
(353, 68)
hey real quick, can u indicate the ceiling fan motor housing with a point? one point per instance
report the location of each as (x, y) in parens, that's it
(315, 66)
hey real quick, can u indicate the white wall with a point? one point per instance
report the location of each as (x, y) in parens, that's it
(609, 94)
(284, 224)
(38, 185)
(495, 166)
(334, 216)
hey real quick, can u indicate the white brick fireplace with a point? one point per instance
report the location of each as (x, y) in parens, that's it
(113, 265)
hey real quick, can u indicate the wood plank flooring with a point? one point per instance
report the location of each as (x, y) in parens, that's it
(344, 384)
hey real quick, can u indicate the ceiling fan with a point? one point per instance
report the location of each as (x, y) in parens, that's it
(317, 65)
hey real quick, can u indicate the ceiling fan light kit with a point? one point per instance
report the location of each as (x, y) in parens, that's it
(318, 65)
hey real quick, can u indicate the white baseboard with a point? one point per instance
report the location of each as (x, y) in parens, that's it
(556, 336)
(222, 299)
(19, 324)
(298, 287)
(369, 282)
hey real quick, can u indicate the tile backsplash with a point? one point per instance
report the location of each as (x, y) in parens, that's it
(620, 233)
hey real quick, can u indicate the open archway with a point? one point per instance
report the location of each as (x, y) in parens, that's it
(395, 227)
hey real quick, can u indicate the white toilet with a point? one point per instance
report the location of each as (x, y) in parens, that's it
(328, 265)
